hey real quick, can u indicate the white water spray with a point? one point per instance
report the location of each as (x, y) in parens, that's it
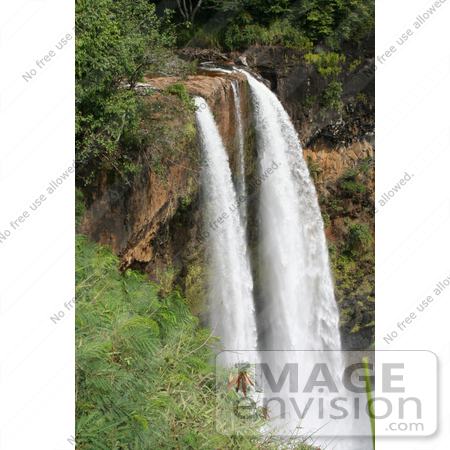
(239, 137)
(298, 310)
(302, 307)
(232, 285)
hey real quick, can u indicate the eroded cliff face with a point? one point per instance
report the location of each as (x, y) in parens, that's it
(154, 224)
(129, 216)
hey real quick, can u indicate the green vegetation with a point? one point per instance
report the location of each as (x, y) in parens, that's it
(309, 101)
(281, 32)
(332, 96)
(237, 24)
(348, 181)
(79, 206)
(358, 239)
(335, 205)
(136, 358)
(352, 261)
(196, 289)
(312, 167)
(355, 63)
(179, 89)
(326, 63)
(352, 252)
(116, 44)
(144, 368)
(166, 279)
(361, 97)
(353, 187)
(336, 21)
(326, 220)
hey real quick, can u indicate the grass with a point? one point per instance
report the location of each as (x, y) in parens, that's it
(145, 376)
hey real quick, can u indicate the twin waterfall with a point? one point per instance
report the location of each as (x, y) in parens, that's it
(295, 309)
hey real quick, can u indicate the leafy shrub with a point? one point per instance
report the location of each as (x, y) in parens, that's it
(358, 239)
(117, 44)
(350, 174)
(352, 187)
(355, 63)
(326, 63)
(348, 181)
(166, 278)
(366, 164)
(361, 97)
(326, 220)
(332, 96)
(280, 32)
(179, 89)
(309, 101)
(336, 21)
(335, 205)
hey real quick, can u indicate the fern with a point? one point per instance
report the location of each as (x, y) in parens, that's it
(144, 377)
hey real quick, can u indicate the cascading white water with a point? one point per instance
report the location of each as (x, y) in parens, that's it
(296, 306)
(232, 285)
(302, 308)
(239, 137)
(298, 310)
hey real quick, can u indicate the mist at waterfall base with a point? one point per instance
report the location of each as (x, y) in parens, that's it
(295, 309)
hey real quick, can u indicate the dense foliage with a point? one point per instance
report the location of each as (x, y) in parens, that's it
(117, 42)
(291, 23)
(336, 21)
(134, 368)
(144, 367)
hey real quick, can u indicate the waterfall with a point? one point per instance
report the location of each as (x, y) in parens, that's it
(298, 310)
(232, 286)
(297, 321)
(239, 137)
(299, 287)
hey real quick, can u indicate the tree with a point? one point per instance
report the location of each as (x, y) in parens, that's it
(242, 378)
(260, 11)
(117, 42)
(336, 21)
(188, 10)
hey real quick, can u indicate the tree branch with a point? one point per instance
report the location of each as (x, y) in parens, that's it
(181, 10)
(196, 9)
